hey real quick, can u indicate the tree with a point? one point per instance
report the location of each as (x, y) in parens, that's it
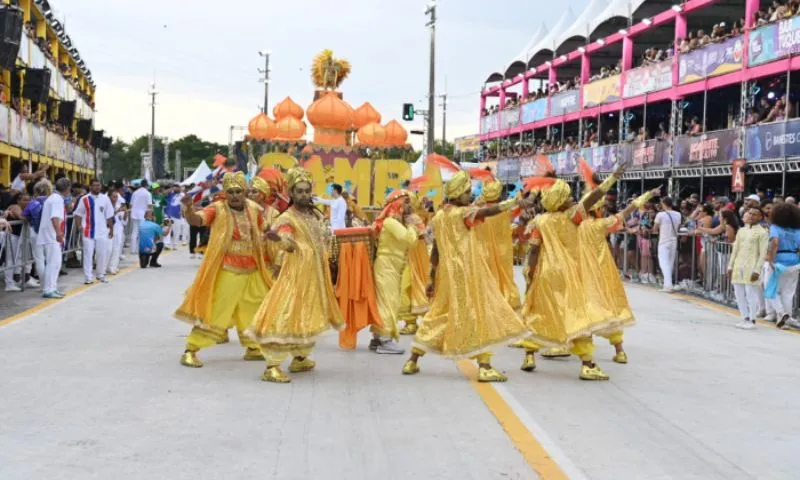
(194, 150)
(448, 151)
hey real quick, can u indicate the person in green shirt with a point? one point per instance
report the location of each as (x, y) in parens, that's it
(158, 203)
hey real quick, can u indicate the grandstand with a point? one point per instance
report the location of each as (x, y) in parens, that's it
(683, 91)
(46, 96)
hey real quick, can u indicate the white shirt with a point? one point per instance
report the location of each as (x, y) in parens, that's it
(338, 211)
(668, 225)
(140, 203)
(103, 211)
(53, 208)
(18, 184)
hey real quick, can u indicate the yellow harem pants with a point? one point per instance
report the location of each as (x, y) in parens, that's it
(614, 338)
(276, 354)
(484, 358)
(237, 297)
(581, 347)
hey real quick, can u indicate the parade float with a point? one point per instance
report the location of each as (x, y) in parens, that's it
(350, 146)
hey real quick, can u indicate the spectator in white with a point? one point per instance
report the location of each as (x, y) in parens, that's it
(338, 207)
(33, 213)
(791, 200)
(141, 202)
(51, 237)
(95, 215)
(117, 242)
(25, 176)
(744, 267)
(751, 201)
(667, 223)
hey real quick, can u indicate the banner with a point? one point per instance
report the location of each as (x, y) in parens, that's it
(774, 41)
(737, 176)
(490, 123)
(534, 111)
(510, 117)
(647, 155)
(562, 103)
(469, 143)
(4, 132)
(527, 166)
(602, 91)
(773, 140)
(712, 147)
(648, 79)
(37, 140)
(565, 163)
(713, 59)
(602, 159)
(508, 169)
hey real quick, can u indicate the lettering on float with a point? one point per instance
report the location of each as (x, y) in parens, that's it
(788, 35)
(788, 138)
(705, 149)
(644, 155)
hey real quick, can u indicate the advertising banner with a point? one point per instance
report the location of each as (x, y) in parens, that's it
(469, 143)
(510, 117)
(737, 176)
(508, 169)
(712, 147)
(490, 123)
(647, 155)
(4, 132)
(602, 159)
(773, 140)
(534, 111)
(527, 166)
(774, 41)
(37, 139)
(563, 103)
(602, 91)
(713, 59)
(648, 79)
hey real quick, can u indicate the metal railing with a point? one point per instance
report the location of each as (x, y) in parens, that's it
(17, 250)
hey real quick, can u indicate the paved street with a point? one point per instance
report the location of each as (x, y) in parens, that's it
(92, 388)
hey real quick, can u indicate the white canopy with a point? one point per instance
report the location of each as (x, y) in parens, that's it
(200, 174)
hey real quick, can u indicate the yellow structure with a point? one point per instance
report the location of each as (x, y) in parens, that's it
(25, 137)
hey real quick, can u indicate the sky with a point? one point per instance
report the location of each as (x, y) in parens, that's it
(203, 55)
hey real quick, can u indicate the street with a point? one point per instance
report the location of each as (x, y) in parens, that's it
(93, 388)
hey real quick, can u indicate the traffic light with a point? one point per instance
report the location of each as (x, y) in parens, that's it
(408, 112)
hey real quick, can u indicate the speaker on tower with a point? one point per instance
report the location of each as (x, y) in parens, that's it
(66, 113)
(37, 85)
(97, 138)
(106, 143)
(10, 35)
(84, 129)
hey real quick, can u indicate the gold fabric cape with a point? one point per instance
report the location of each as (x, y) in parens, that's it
(496, 241)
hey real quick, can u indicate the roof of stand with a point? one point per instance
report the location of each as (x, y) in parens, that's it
(577, 34)
(543, 51)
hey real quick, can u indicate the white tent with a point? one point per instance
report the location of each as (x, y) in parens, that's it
(200, 174)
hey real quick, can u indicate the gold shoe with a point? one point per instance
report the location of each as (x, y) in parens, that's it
(517, 344)
(556, 352)
(225, 339)
(490, 375)
(529, 364)
(275, 375)
(304, 365)
(252, 354)
(189, 359)
(409, 329)
(592, 373)
(621, 357)
(410, 368)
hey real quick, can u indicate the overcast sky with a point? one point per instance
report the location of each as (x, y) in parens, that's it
(204, 55)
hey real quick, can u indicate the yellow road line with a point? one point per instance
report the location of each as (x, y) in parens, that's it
(50, 302)
(701, 302)
(532, 451)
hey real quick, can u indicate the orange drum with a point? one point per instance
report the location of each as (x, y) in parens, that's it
(351, 235)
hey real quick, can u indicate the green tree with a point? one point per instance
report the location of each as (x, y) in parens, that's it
(194, 150)
(448, 150)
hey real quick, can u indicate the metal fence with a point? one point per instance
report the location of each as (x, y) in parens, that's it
(17, 251)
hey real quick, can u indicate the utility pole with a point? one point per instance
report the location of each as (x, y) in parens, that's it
(151, 143)
(166, 156)
(444, 119)
(178, 171)
(431, 12)
(265, 72)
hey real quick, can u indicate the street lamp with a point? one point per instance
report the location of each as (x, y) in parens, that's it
(431, 12)
(265, 72)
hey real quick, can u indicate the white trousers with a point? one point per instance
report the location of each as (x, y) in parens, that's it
(763, 304)
(52, 267)
(135, 236)
(783, 303)
(666, 260)
(37, 250)
(99, 248)
(13, 257)
(747, 299)
(116, 248)
(179, 232)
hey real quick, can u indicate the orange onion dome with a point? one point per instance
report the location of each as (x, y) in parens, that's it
(287, 108)
(331, 112)
(396, 135)
(262, 127)
(366, 114)
(290, 128)
(372, 135)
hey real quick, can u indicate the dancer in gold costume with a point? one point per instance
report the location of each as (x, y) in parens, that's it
(468, 315)
(395, 238)
(302, 304)
(599, 273)
(414, 300)
(555, 306)
(233, 277)
(496, 239)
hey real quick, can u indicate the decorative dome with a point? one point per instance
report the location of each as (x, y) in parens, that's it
(290, 128)
(372, 135)
(287, 108)
(331, 113)
(262, 127)
(366, 114)
(396, 135)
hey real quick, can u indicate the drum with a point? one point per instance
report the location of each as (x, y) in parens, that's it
(351, 235)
